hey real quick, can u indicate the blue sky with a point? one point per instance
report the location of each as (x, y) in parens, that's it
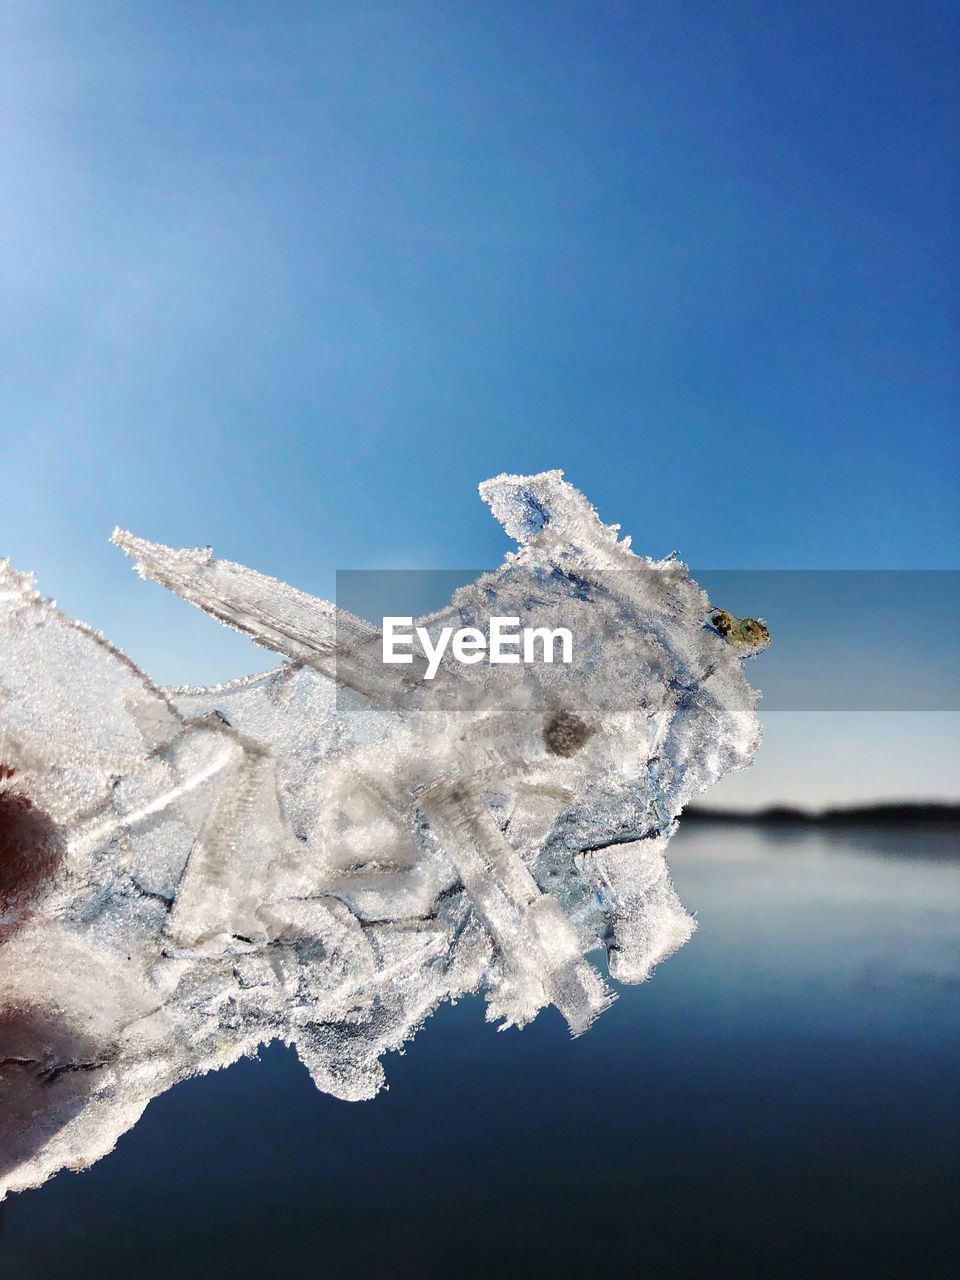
(291, 279)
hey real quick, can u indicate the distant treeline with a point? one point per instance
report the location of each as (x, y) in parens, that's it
(893, 814)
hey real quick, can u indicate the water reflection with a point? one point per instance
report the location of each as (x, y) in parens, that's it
(780, 1100)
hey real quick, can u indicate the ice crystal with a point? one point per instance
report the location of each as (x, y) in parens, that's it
(323, 853)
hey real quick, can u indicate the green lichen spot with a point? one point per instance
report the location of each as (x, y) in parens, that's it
(748, 633)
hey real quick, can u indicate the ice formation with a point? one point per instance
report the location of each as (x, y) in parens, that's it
(323, 853)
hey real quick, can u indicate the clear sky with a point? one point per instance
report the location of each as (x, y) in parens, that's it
(291, 279)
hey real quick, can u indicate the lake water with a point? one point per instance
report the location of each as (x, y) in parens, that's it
(781, 1099)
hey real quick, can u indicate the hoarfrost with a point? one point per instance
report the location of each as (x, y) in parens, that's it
(323, 853)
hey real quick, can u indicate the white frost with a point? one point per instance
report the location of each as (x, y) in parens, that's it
(323, 853)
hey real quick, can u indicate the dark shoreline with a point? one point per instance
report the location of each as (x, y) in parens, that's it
(939, 816)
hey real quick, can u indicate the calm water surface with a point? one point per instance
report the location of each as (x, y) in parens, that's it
(782, 1099)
